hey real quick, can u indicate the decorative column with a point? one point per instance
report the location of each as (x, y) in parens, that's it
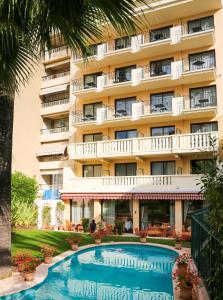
(178, 217)
(97, 210)
(53, 212)
(135, 212)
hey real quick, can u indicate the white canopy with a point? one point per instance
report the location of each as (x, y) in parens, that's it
(51, 149)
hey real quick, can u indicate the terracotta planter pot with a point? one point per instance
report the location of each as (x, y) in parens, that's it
(15, 269)
(97, 241)
(74, 247)
(29, 276)
(143, 240)
(182, 268)
(48, 259)
(178, 246)
(186, 294)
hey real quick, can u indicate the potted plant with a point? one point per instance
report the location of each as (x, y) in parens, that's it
(182, 262)
(97, 236)
(178, 242)
(119, 225)
(48, 252)
(28, 267)
(73, 241)
(185, 282)
(18, 258)
(142, 236)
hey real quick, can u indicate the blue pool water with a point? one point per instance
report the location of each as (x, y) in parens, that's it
(116, 272)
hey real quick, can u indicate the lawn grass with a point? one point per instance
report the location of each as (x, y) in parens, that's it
(32, 240)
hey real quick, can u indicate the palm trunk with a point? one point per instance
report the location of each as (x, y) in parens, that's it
(6, 127)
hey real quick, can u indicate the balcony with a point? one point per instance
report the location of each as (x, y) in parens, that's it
(55, 107)
(56, 54)
(140, 47)
(54, 134)
(144, 78)
(55, 83)
(180, 108)
(49, 192)
(134, 184)
(146, 146)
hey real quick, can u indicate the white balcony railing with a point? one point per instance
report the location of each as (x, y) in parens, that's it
(158, 183)
(57, 75)
(56, 102)
(54, 130)
(179, 143)
(56, 53)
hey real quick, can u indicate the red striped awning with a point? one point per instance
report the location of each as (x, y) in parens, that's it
(128, 196)
(98, 196)
(169, 196)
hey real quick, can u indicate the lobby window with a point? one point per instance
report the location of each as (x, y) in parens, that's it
(160, 67)
(161, 102)
(90, 111)
(204, 127)
(126, 134)
(203, 97)
(201, 24)
(163, 168)
(123, 107)
(92, 170)
(128, 169)
(160, 34)
(93, 137)
(160, 131)
(202, 166)
(124, 74)
(123, 42)
(90, 80)
(203, 60)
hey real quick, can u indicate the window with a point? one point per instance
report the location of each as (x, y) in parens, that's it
(124, 74)
(161, 102)
(203, 97)
(159, 131)
(125, 134)
(123, 107)
(201, 24)
(123, 42)
(90, 111)
(90, 80)
(202, 60)
(128, 169)
(60, 123)
(202, 166)
(94, 137)
(204, 127)
(92, 170)
(160, 67)
(160, 34)
(163, 168)
(92, 50)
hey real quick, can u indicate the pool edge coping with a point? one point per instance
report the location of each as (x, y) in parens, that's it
(16, 284)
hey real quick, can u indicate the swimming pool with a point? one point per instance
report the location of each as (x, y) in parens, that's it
(111, 272)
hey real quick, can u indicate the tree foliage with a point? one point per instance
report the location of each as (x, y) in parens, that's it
(24, 188)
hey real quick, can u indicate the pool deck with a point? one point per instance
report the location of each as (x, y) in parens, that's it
(16, 283)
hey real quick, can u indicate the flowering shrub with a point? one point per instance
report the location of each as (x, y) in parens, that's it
(25, 261)
(183, 259)
(20, 256)
(98, 235)
(186, 280)
(142, 234)
(73, 240)
(47, 250)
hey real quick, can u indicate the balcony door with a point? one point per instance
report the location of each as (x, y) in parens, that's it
(201, 24)
(124, 74)
(161, 102)
(128, 169)
(203, 97)
(203, 60)
(160, 67)
(93, 137)
(160, 34)
(123, 107)
(90, 80)
(163, 168)
(126, 134)
(92, 170)
(123, 42)
(161, 131)
(90, 111)
(204, 127)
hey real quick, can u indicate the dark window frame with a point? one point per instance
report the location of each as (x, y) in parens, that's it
(123, 68)
(162, 93)
(91, 134)
(160, 28)
(171, 59)
(199, 19)
(125, 100)
(203, 87)
(93, 108)
(127, 42)
(125, 164)
(151, 128)
(90, 166)
(124, 131)
(161, 161)
(201, 123)
(202, 52)
(96, 74)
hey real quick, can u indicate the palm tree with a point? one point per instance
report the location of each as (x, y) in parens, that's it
(26, 30)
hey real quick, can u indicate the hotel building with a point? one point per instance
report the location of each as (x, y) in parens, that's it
(127, 133)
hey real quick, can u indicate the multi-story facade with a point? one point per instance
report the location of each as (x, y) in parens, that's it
(127, 133)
